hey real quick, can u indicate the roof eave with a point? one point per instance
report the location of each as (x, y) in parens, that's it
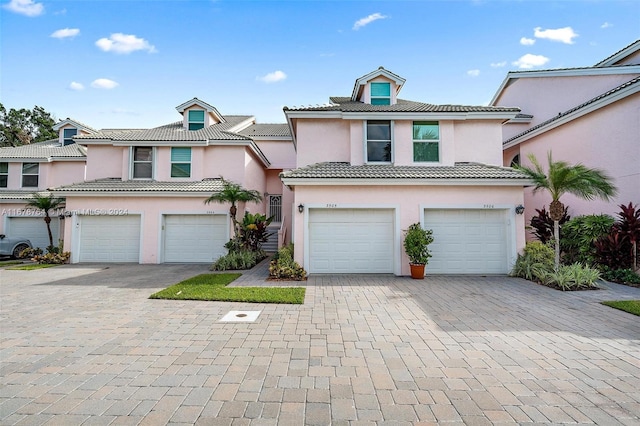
(406, 182)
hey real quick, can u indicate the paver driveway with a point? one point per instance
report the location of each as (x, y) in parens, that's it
(84, 345)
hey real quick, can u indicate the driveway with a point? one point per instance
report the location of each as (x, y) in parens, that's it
(82, 344)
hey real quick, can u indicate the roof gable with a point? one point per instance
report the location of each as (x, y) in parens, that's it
(620, 55)
(210, 109)
(380, 72)
(74, 123)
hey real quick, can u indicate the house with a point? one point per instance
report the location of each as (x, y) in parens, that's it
(142, 197)
(34, 168)
(370, 164)
(583, 115)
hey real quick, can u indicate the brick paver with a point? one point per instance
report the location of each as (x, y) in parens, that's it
(84, 345)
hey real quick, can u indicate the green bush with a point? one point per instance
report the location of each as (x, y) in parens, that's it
(621, 276)
(237, 260)
(535, 261)
(577, 242)
(572, 277)
(52, 258)
(283, 267)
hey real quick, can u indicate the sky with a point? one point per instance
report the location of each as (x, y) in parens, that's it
(128, 64)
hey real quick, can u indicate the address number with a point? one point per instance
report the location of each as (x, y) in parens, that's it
(332, 206)
(488, 206)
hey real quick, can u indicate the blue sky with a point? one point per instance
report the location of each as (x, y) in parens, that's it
(118, 63)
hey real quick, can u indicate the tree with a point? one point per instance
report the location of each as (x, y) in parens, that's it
(46, 204)
(562, 178)
(234, 193)
(23, 126)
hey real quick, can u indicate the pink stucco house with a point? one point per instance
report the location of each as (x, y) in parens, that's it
(585, 115)
(370, 164)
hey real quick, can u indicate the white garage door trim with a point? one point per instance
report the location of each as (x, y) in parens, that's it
(504, 253)
(185, 237)
(119, 244)
(314, 215)
(33, 228)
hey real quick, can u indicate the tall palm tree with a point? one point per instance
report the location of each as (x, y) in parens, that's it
(562, 178)
(46, 204)
(234, 193)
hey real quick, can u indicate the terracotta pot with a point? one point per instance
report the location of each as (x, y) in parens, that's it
(417, 271)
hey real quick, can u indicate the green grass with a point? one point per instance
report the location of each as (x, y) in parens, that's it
(10, 263)
(631, 306)
(32, 266)
(214, 287)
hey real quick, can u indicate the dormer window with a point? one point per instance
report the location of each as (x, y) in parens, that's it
(196, 119)
(380, 93)
(67, 136)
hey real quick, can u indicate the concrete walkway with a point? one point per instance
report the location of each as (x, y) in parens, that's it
(85, 345)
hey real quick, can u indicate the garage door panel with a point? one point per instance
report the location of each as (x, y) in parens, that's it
(109, 238)
(34, 229)
(194, 238)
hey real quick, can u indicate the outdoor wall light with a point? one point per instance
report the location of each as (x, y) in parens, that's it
(519, 209)
(301, 208)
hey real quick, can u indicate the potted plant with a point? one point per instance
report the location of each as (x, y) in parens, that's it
(416, 245)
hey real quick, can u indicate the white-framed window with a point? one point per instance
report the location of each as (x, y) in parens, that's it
(4, 175)
(142, 162)
(379, 141)
(67, 136)
(180, 162)
(426, 142)
(380, 93)
(196, 119)
(30, 172)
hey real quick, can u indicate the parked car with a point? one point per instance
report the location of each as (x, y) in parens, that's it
(13, 246)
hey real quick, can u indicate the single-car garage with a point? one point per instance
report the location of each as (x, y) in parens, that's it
(191, 238)
(34, 229)
(351, 240)
(109, 238)
(468, 241)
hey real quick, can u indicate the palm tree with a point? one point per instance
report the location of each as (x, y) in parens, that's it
(46, 204)
(562, 178)
(234, 193)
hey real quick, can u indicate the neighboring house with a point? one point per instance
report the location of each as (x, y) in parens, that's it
(142, 199)
(584, 115)
(34, 168)
(371, 164)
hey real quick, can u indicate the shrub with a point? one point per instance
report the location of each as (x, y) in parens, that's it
(535, 261)
(52, 258)
(572, 277)
(236, 260)
(618, 250)
(579, 235)
(621, 276)
(541, 225)
(416, 244)
(29, 253)
(283, 266)
(253, 231)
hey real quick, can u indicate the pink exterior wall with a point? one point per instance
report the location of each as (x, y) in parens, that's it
(324, 140)
(50, 174)
(478, 141)
(254, 178)
(633, 59)
(280, 153)
(366, 93)
(226, 161)
(408, 200)
(106, 161)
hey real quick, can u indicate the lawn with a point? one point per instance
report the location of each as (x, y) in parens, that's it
(631, 306)
(214, 287)
(32, 266)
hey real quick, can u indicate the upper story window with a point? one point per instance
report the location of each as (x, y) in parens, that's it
(426, 141)
(142, 162)
(515, 161)
(196, 119)
(30, 173)
(4, 174)
(180, 162)
(67, 136)
(380, 93)
(378, 141)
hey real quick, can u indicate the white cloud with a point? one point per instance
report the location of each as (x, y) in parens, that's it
(563, 35)
(76, 86)
(473, 73)
(527, 41)
(124, 43)
(606, 25)
(367, 20)
(25, 7)
(498, 64)
(104, 83)
(529, 61)
(273, 77)
(65, 33)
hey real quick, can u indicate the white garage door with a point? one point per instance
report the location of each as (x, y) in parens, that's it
(467, 241)
(34, 229)
(350, 241)
(194, 238)
(109, 238)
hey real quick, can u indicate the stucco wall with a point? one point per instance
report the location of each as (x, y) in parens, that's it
(280, 153)
(106, 161)
(478, 141)
(322, 140)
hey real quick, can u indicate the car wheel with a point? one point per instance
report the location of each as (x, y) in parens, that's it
(18, 249)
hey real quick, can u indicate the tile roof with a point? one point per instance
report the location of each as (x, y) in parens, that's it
(266, 130)
(44, 150)
(142, 186)
(632, 46)
(75, 123)
(19, 195)
(632, 82)
(331, 170)
(175, 132)
(345, 104)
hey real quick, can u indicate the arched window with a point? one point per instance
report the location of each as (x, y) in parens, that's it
(516, 160)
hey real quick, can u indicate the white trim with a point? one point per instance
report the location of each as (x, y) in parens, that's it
(362, 81)
(622, 54)
(414, 141)
(153, 162)
(390, 115)
(22, 175)
(405, 182)
(73, 123)
(242, 125)
(366, 143)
